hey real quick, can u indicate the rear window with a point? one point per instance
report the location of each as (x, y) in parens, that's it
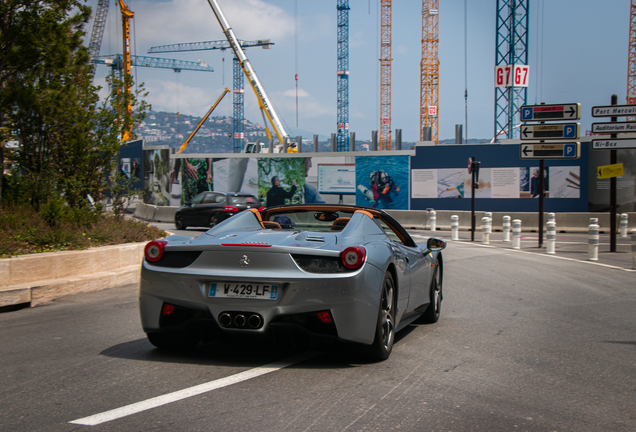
(244, 200)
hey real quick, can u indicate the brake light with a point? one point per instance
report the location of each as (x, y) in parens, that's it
(167, 309)
(353, 257)
(324, 317)
(230, 209)
(154, 250)
(261, 208)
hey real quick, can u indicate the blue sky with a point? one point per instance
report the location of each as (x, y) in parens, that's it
(578, 52)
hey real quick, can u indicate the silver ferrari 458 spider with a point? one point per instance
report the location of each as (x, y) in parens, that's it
(327, 272)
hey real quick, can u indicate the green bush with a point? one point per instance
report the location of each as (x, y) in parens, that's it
(59, 227)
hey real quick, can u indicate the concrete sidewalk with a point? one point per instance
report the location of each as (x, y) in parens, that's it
(568, 245)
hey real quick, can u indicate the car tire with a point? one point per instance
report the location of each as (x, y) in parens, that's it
(385, 327)
(214, 219)
(432, 312)
(175, 340)
(178, 223)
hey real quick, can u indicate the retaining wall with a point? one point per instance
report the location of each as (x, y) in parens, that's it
(39, 278)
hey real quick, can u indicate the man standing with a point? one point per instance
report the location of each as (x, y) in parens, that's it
(276, 195)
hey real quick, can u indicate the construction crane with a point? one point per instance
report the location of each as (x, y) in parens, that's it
(263, 100)
(205, 117)
(631, 67)
(97, 33)
(385, 76)
(342, 138)
(429, 71)
(121, 64)
(511, 51)
(238, 122)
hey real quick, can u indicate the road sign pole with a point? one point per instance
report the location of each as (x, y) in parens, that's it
(613, 158)
(472, 200)
(541, 195)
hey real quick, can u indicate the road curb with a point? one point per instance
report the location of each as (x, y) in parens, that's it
(40, 278)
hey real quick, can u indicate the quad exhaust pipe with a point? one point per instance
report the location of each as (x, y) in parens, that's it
(240, 320)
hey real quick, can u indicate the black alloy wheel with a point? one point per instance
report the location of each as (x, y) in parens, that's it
(432, 312)
(214, 220)
(178, 223)
(385, 328)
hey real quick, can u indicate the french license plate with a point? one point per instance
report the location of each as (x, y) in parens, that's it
(243, 290)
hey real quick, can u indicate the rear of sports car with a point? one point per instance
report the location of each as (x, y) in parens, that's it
(261, 282)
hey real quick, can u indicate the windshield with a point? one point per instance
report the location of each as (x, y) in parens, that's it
(246, 200)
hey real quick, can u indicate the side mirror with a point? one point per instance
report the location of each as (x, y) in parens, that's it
(435, 244)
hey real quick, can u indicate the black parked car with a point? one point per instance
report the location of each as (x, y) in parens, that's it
(210, 208)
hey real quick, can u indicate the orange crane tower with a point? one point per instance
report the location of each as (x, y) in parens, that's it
(385, 76)
(126, 15)
(631, 65)
(429, 84)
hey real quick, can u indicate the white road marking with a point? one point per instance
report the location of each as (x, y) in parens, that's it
(189, 392)
(552, 256)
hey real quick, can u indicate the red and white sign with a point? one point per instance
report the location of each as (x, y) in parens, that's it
(505, 77)
(386, 121)
(432, 110)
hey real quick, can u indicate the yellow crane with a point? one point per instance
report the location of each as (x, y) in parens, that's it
(429, 70)
(126, 15)
(196, 129)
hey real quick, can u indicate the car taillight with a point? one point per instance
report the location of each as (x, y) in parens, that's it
(167, 309)
(230, 209)
(261, 208)
(353, 257)
(324, 317)
(154, 250)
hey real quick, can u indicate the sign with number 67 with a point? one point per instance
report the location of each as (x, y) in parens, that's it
(505, 77)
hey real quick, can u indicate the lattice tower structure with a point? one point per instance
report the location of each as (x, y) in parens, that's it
(342, 138)
(238, 79)
(511, 49)
(238, 121)
(97, 32)
(385, 76)
(631, 67)
(429, 70)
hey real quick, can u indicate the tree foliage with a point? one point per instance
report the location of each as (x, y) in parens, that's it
(69, 137)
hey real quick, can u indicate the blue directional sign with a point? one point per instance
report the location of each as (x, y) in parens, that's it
(550, 112)
(569, 151)
(549, 131)
(550, 151)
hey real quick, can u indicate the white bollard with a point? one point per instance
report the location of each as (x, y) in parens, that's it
(485, 230)
(454, 227)
(506, 228)
(633, 233)
(433, 218)
(623, 225)
(550, 238)
(552, 217)
(592, 251)
(489, 216)
(516, 234)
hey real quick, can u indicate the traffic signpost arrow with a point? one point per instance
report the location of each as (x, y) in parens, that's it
(614, 144)
(571, 150)
(614, 111)
(551, 112)
(613, 127)
(550, 131)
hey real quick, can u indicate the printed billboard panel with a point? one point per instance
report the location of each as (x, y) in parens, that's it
(383, 182)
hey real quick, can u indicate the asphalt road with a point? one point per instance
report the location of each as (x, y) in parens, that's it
(525, 342)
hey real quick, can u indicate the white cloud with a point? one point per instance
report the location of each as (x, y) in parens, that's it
(181, 21)
(292, 93)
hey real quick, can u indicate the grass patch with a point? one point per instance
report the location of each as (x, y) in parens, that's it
(25, 231)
